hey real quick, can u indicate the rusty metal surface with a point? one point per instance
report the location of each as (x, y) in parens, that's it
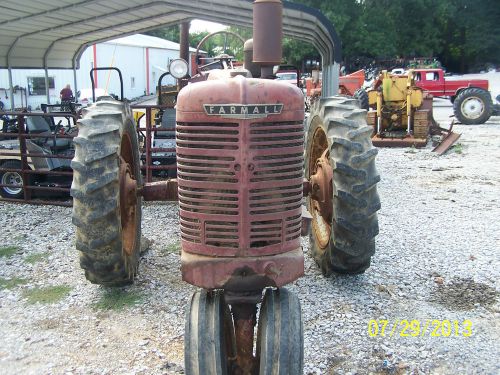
(160, 191)
(306, 187)
(128, 196)
(245, 319)
(147, 130)
(322, 194)
(149, 173)
(240, 180)
(318, 199)
(245, 274)
(267, 32)
(26, 158)
(399, 142)
(446, 143)
(24, 155)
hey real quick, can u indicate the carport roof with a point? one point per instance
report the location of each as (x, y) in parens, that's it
(54, 33)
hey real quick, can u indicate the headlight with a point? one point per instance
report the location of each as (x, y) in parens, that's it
(178, 68)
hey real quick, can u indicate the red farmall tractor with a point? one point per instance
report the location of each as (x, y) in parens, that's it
(240, 184)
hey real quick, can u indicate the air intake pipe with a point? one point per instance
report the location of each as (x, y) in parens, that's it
(267, 34)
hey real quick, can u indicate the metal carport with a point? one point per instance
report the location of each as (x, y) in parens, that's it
(52, 34)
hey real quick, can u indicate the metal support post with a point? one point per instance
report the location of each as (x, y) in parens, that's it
(75, 83)
(47, 85)
(184, 44)
(11, 88)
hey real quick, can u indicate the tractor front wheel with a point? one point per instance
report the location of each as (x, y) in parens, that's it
(209, 342)
(280, 338)
(340, 166)
(106, 208)
(473, 106)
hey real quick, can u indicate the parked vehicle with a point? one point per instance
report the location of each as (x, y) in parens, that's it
(288, 73)
(398, 71)
(44, 142)
(471, 99)
(350, 84)
(288, 77)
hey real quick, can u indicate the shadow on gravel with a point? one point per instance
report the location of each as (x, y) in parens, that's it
(464, 294)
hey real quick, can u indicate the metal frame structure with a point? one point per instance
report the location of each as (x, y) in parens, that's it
(145, 128)
(52, 34)
(24, 155)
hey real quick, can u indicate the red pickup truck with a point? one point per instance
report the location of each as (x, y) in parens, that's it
(471, 99)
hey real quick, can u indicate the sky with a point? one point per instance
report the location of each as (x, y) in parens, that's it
(200, 25)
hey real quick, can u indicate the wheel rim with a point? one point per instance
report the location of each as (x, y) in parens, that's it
(472, 107)
(128, 196)
(12, 178)
(320, 175)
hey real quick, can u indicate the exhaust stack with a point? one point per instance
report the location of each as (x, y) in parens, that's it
(267, 34)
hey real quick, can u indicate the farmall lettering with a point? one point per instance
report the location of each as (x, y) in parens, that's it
(243, 111)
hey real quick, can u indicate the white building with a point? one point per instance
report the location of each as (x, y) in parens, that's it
(140, 58)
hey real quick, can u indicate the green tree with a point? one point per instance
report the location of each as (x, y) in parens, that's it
(463, 34)
(171, 33)
(470, 34)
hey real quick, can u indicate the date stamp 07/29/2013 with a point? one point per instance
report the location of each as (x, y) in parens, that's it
(419, 328)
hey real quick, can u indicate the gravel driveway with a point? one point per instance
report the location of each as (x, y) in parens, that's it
(438, 258)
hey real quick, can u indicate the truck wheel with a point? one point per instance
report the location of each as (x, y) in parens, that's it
(473, 106)
(12, 178)
(362, 97)
(106, 209)
(340, 164)
(280, 338)
(209, 340)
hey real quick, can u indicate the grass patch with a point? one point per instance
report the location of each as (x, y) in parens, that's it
(458, 148)
(173, 247)
(117, 299)
(8, 251)
(411, 150)
(49, 294)
(11, 283)
(35, 258)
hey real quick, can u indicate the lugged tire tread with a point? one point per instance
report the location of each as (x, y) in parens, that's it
(362, 97)
(95, 192)
(355, 200)
(478, 92)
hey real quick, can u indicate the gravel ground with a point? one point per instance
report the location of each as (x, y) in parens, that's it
(437, 258)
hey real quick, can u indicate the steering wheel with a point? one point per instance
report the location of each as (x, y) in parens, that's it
(200, 67)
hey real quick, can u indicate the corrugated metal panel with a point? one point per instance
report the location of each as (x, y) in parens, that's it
(54, 33)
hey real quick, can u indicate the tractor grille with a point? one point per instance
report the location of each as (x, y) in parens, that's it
(240, 187)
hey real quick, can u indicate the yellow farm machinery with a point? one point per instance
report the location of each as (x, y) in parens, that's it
(401, 112)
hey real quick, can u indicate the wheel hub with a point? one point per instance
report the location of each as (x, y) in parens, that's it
(128, 207)
(12, 178)
(321, 198)
(472, 107)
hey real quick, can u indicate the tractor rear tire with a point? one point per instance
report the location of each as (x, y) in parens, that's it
(362, 97)
(473, 106)
(345, 243)
(280, 338)
(209, 340)
(107, 234)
